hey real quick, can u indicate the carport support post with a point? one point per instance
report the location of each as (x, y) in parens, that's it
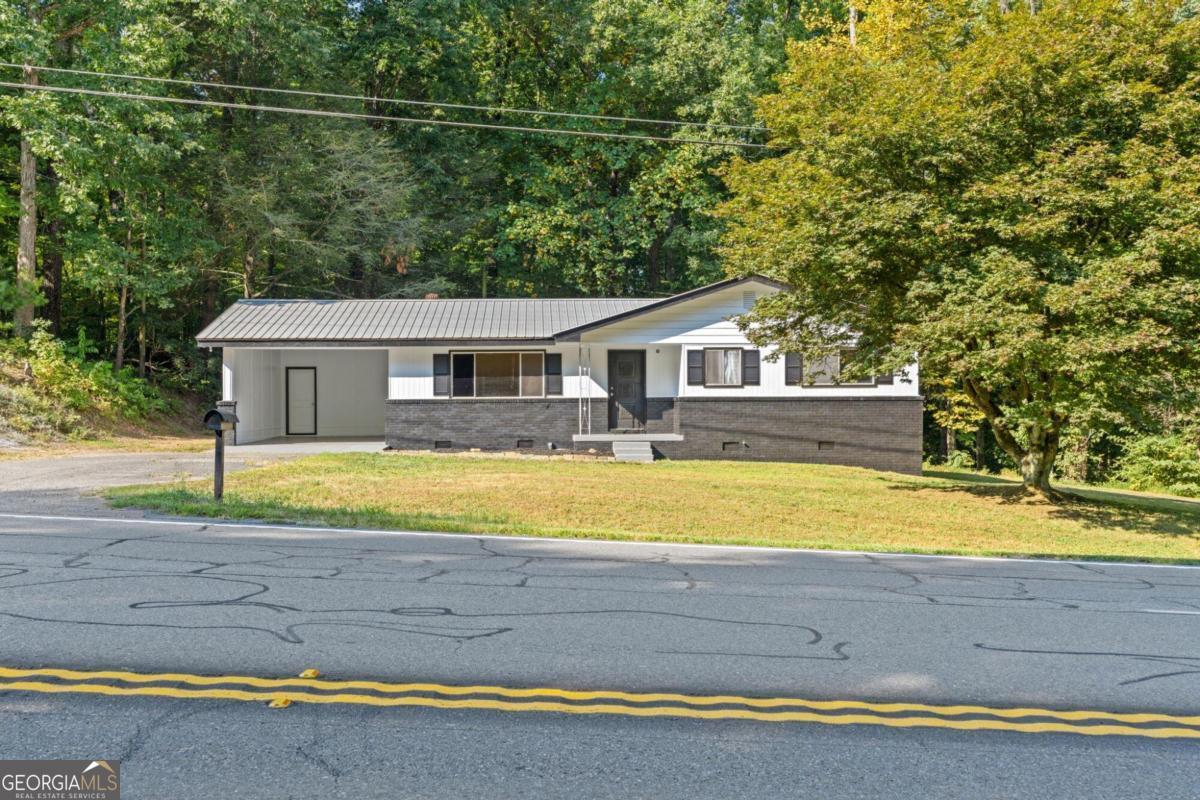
(219, 467)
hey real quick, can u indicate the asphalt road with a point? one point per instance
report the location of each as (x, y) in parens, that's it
(208, 599)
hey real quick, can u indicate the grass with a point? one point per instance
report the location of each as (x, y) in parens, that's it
(785, 505)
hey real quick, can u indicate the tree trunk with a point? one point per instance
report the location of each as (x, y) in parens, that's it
(142, 318)
(1035, 457)
(122, 305)
(142, 341)
(248, 274)
(52, 276)
(1036, 466)
(853, 25)
(27, 232)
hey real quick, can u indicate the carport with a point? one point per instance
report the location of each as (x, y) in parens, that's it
(315, 395)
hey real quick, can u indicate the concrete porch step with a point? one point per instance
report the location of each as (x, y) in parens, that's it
(640, 452)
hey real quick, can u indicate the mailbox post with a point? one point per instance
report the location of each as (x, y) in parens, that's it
(218, 422)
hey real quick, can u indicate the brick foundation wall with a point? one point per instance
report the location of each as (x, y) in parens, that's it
(660, 416)
(486, 424)
(876, 432)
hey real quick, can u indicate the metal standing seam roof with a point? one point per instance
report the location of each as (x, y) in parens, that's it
(379, 321)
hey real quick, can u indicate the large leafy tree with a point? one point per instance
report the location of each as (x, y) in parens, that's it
(524, 214)
(151, 217)
(1013, 197)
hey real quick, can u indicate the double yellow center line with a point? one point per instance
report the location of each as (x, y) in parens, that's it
(281, 691)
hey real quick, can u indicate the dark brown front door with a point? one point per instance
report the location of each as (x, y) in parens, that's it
(626, 390)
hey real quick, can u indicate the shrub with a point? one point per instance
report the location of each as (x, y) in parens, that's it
(50, 389)
(95, 385)
(960, 459)
(26, 412)
(1164, 462)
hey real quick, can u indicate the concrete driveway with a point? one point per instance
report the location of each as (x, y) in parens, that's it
(67, 483)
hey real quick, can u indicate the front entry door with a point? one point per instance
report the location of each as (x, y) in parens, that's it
(301, 401)
(626, 390)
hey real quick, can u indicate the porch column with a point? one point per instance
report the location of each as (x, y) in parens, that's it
(227, 371)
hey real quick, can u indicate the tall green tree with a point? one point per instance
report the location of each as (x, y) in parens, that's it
(1012, 197)
(152, 217)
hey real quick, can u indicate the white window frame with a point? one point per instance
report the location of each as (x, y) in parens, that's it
(741, 372)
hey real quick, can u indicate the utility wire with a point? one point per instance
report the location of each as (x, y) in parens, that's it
(313, 112)
(365, 98)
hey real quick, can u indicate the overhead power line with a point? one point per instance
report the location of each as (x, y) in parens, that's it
(389, 100)
(313, 112)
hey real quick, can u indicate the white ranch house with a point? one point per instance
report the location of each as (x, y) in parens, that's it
(671, 377)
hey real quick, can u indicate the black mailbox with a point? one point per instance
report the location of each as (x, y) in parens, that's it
(217, 421)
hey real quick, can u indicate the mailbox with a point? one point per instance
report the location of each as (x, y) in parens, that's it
(218, 421)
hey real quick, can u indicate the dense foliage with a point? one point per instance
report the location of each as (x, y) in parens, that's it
(1170, 462)
(51, 388)
(1013, 196)
(152, 217)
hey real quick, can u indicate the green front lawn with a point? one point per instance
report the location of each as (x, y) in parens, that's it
(785, 505)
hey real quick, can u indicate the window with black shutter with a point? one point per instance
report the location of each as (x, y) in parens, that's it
(793, 369)
(499, 373)
(695, 367)
(554, 382)
(723, 366)
(441, 374)
(751, 372)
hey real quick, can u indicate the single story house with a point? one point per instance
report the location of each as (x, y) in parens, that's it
(666, 376)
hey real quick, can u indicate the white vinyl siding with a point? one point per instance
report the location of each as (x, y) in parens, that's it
(351, 389)
(707, 320)
(254, 379)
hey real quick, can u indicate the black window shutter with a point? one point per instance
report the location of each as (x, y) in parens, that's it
(695, 367)
(793, 367)
(554, 383)
(750, 368)
(441, 374)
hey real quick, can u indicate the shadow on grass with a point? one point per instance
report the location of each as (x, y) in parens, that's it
(187, 502)
(969, 477)
(1091, 507)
